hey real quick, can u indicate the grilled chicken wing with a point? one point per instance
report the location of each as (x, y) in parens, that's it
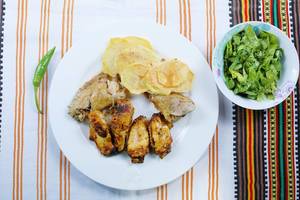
(96, 94)
(121, 119)
(138, 141)
(160, 136)
(99, 133)
(172, 106)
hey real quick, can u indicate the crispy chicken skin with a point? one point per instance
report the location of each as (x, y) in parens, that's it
(96, 94)
(172, 106)
(160, 136)
(99, 133)
(138, 141)
(97, 121)
(121, 119)
(104, 144)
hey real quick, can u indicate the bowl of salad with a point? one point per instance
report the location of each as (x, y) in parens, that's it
(255, 65)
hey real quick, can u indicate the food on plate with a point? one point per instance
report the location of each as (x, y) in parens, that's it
(131, 67)
(252, 64)
(160, 135)
(104, 144)
(161, 77)
(136, 54)
(96, 94)
(138, 141)
(142, 69)
(132, 76)
(169, 76)
(121, 119)
(172, 106)
(115, 46)
(99, 133)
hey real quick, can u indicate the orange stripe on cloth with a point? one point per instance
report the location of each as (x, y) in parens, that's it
(217, 163)
(187, 185)
(66, 43)
(213, 162)
(65, 178)
(63, 30)
(165, 13)
(62, 164)
(46, 107)
(192, 183)
(180, 15)
(184, 19)
(43, 95)
(213, 169)
(23, 99)
(60, 175)
(250, 153)
(156, 11)
(162, 192)
(182, 186)
(68, 26)
(39, 119)
(160, 12)
(17, 192)
(189, 20)
(39, 190)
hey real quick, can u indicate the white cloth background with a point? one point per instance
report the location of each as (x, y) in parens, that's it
(205, 182)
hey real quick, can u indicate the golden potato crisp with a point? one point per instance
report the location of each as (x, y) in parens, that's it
(169, 76)
(175, 75)
(136, 54)
(132, 76)
(115, 46)
(152, 85)
(142, 69)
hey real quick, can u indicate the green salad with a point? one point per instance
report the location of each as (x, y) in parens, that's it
(252, 64)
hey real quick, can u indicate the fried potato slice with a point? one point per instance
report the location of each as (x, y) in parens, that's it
(169, 76)
(115, 46)
(152, 86)
(135, 54)
(132, 78)
(175, 74)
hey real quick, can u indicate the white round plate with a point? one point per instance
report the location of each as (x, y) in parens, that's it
(191, 134)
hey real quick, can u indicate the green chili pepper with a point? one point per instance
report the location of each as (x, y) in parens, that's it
(39, 75)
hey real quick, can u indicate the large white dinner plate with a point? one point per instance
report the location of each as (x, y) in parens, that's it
(191, 134)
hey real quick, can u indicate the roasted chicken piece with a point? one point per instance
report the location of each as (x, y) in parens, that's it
(138, 141)
(121, 119)
(160, 136)
(96, 94)
(99, 133)
(172, 106)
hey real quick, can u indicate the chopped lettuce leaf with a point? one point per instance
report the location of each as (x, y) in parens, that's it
(252, 64)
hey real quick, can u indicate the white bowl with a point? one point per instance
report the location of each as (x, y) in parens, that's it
(289, 74)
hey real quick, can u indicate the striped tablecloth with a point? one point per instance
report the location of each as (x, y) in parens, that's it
(253, 155)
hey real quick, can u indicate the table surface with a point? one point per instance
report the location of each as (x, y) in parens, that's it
(253, 155)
